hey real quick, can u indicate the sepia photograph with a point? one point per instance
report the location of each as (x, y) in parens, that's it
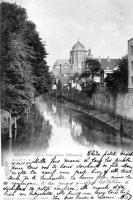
(66, 99)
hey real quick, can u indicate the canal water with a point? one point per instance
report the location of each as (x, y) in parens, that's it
(54, 127)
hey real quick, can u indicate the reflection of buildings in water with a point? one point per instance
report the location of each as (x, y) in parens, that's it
(54, 113)
(83, 141)
(60, 118)
(54, 108)
(60, 113)
(66, 120)
(61, 138)
(82, 134)
(76, 128)
(77, 133)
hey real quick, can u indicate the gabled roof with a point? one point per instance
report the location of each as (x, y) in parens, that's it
(109, 63)
(62, 62)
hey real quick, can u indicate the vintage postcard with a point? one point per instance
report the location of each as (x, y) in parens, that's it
(66, 99)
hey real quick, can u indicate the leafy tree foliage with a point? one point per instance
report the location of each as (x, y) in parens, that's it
(118, 80)
(40, 68)
(18, 82)
(92, 67)
(89, 86)
(23, 59)
(59, 87)
(12, 20)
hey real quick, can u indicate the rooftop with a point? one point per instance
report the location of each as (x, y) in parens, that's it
(110, 63)
(78, 47)
(62, 62)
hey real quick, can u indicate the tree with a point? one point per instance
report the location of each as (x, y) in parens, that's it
(12, 52)
(23, 59)
(118, 80)
(89, 86)
(59, 88)
(40, 68)
(12, 20)
(92, 67)
(18, 87)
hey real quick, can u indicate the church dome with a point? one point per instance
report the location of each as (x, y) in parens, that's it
(78, 47)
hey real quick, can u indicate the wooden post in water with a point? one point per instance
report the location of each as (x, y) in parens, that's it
(15, 121)
(10, 126)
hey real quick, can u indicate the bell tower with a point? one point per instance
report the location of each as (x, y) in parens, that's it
(78, 55)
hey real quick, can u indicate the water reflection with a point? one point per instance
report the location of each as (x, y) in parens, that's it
(72, 129)
(53, 127)
(61, 140)
(92, 132)
(32, 134)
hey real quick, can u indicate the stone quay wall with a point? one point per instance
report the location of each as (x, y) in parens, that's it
(121, 105)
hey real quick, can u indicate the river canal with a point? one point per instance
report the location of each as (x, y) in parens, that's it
(54, 127)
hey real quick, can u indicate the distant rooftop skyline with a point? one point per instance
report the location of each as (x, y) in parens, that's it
(104, 26)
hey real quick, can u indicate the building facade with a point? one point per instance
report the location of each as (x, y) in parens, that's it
(78, 56)
(130, 64)
(64, 69)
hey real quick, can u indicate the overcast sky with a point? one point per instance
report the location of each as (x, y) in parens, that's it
(102, 25)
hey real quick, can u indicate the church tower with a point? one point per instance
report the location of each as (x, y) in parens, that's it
(78, 56)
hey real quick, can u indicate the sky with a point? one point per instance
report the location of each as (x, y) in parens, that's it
(104, 26)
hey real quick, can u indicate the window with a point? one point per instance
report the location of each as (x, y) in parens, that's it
(131, 49)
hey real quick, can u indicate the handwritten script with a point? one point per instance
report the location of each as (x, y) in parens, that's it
(96, 175)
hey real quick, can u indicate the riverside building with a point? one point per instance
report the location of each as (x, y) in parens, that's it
(64, 69)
